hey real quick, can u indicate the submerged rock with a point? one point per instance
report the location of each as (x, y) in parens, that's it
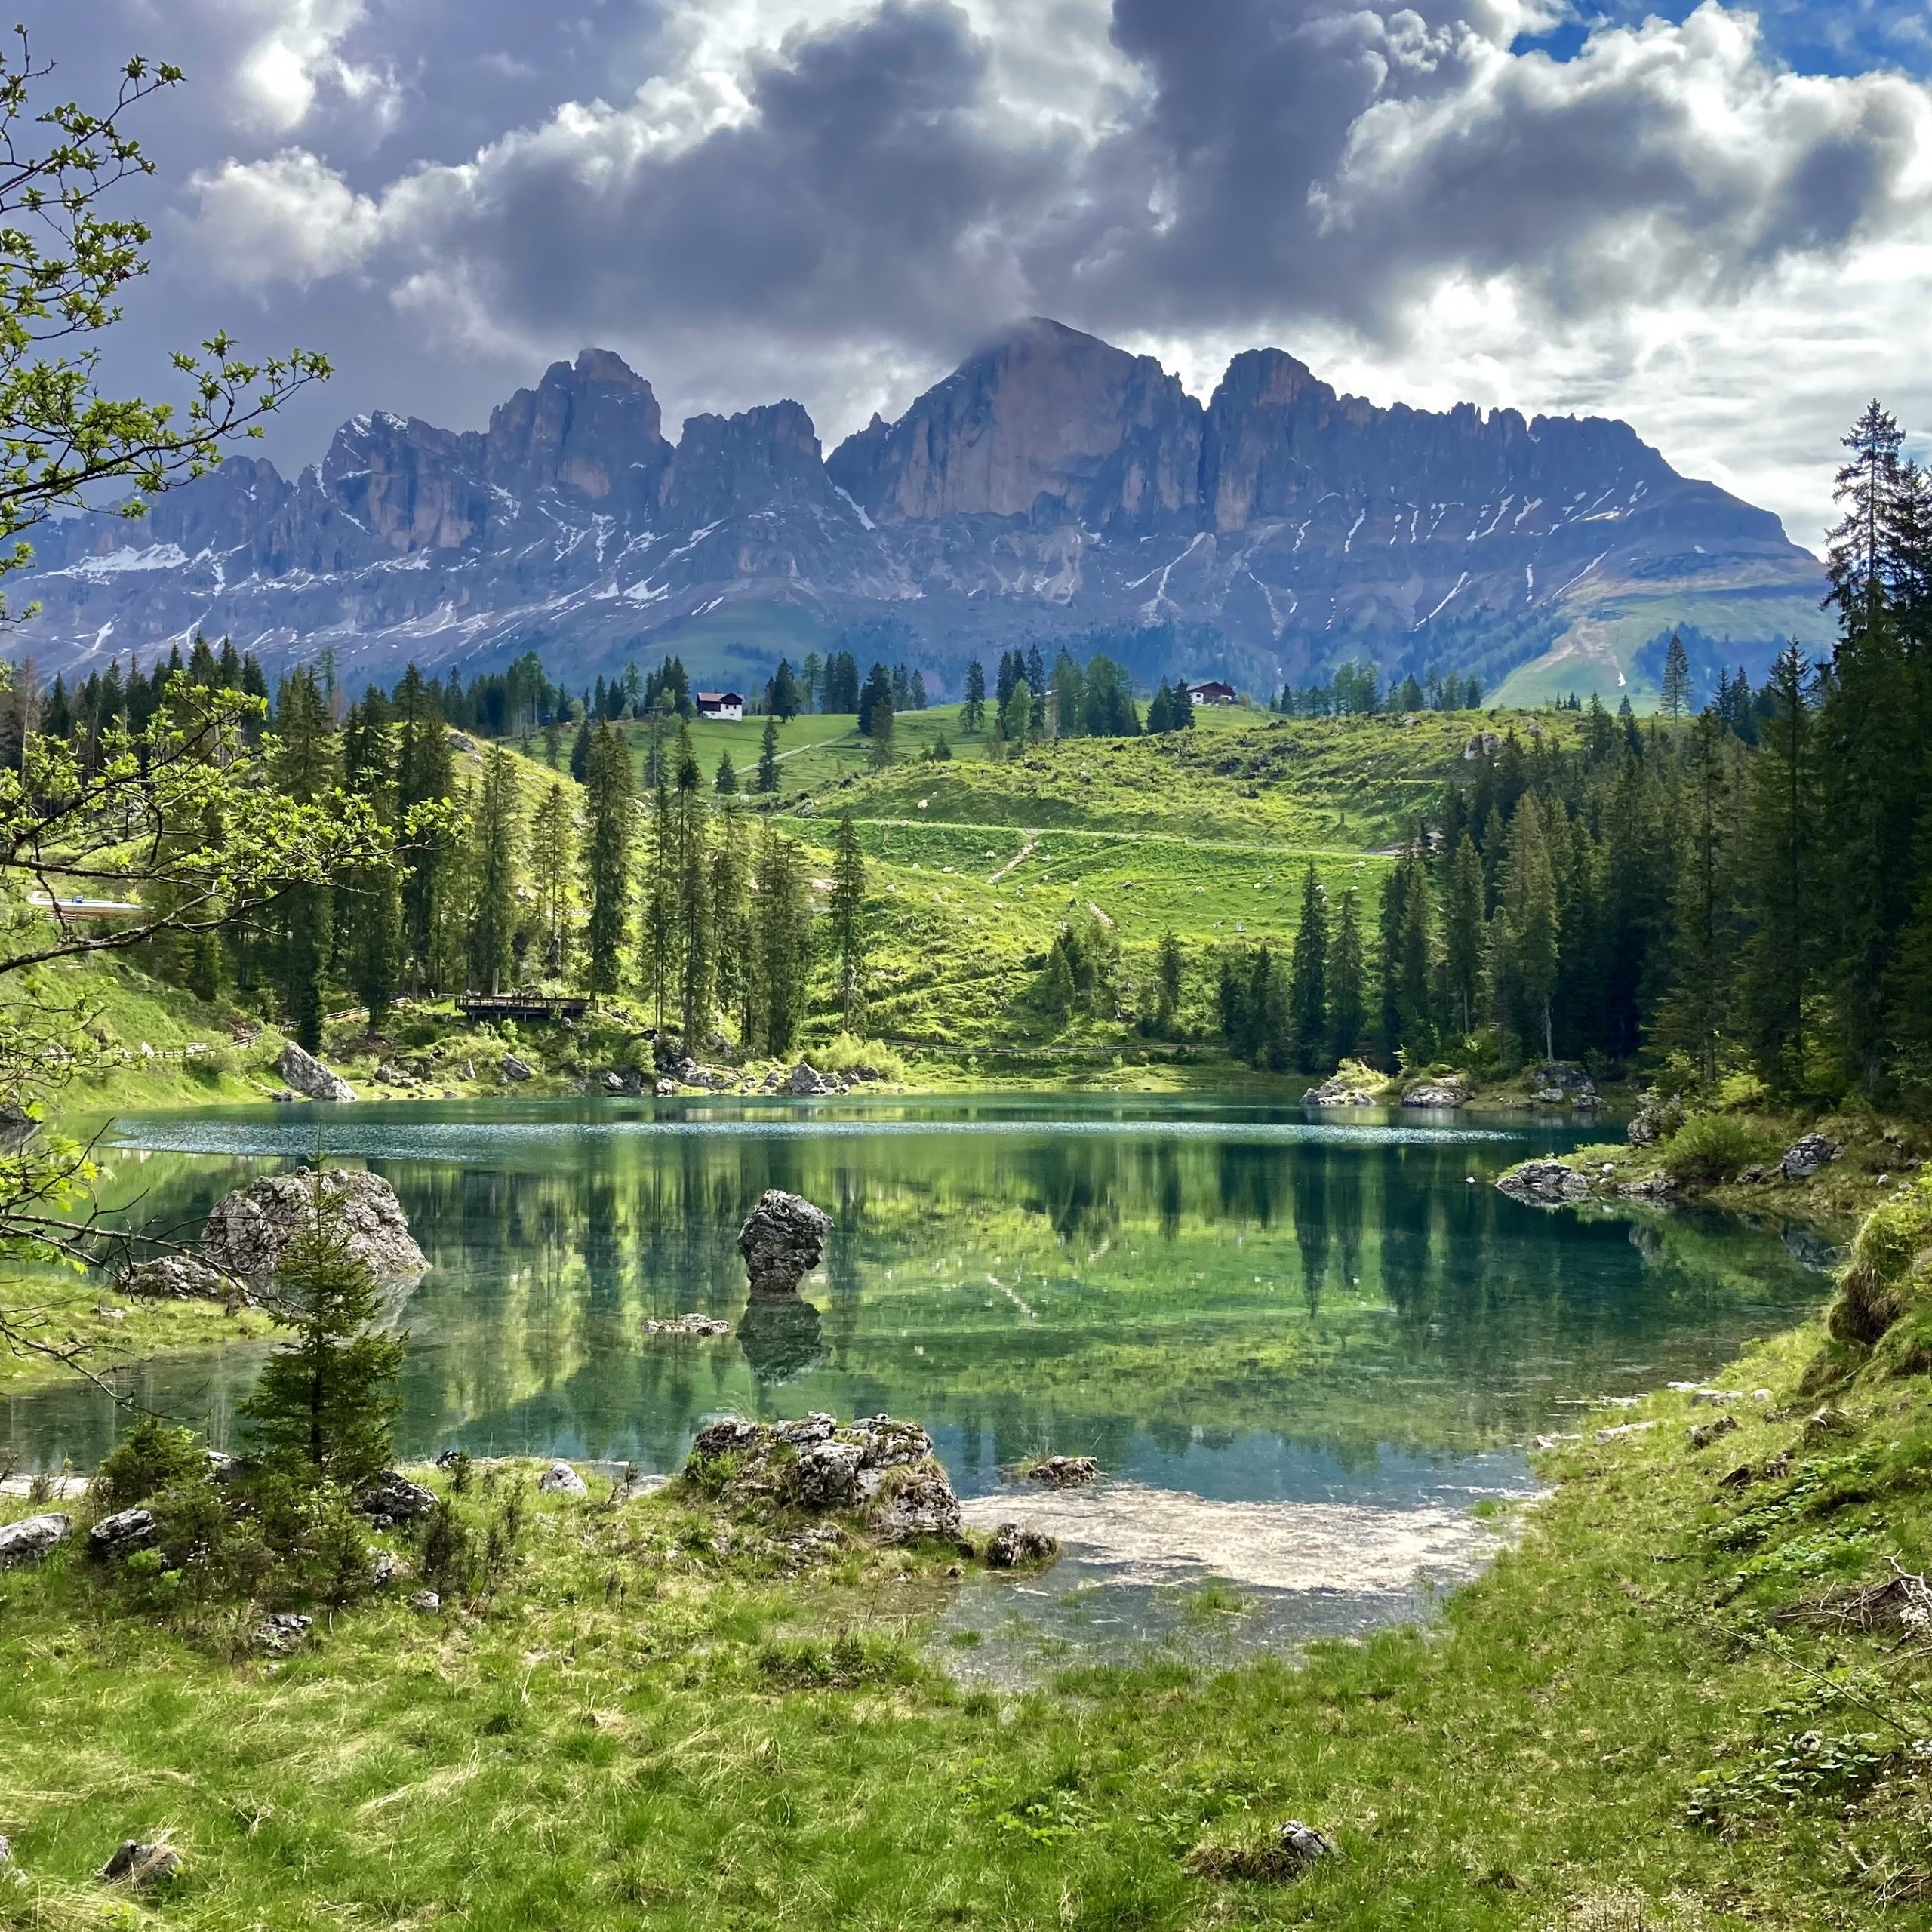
(30, 1539)
(249, 1228)
(309, 1078)
(782, 1337)
(783, 1240)
(693, 1324)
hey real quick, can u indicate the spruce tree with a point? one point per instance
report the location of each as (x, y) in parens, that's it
(1529, 929)
(1169, 970)
(726, 782)
(553, 843)
(373, 900)
(1463, 919)
(660, 962)
(610, 810)
(423, 777)
(697, 983)
(782, 940)
(973, 716)
(306, 767)
(1347, 995)
(1694, 1017)
(730, 917)
(496, 834)
(324, 1408)
(1066, 695)
(768, 759)
(580, 749)
(883, 727)
(1308, 977)
(1675, 699)
(850, 931)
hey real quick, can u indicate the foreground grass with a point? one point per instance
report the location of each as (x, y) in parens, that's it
(646, 1727)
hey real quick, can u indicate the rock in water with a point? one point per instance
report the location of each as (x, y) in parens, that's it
(1451, 1092)
(310, 1078)
(249, 1228)
(1544, 1183)
(1064, 1472)
(782, 1241)
(1805, 1156)
(1012, 1545)
(30, 1539)
(1336, 1092)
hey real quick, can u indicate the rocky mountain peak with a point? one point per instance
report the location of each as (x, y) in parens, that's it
(1045, 421)
(592, 427)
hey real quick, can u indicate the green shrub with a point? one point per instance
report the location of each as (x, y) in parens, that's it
(1889, 1260)
(1709, 1148)
(153, 1456)
(847, 1054)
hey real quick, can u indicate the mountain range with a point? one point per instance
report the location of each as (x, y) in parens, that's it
(1053, 487)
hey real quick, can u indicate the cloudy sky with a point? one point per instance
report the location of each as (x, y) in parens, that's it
(1713, 219)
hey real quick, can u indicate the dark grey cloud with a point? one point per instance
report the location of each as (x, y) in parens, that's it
(833, 198)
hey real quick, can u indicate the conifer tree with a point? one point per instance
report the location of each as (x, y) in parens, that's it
(1675, 701)
(1692, 1018)
(1464, 921)
(324, 1408)
(883, 728)
(497, 833)
(610, 833)
(1169, 970)
(726, 782)
(782, 940)
(580, 749)
(850, 931)
(1528, 915)
(1388, 961)
(730, 914)
(373, 900)
(973, 717)
(1348, 996)
(423, 777)
(661, 962)
(1308, 977)
(553, 844)
(768, 759)
(306, 765)
(1066, 695)
(697, 985)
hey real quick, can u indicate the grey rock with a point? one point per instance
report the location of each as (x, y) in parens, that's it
(1064, 1472)
(666, 1088)
(1565, 1079)
(6, 1851)
(1482, 744)
(1808, 1155)
(1012, 1545)
(123, 1532)
(222, 1468)
(1703, 1434)
(391, 1498)
(614, 1083)
(1453, 1090)
(693, 1324)
(515, 1069)
(281, 1631)
(1336, 1092)
(1305, 1845)
(560, 1479)
(31, 1537)
(386, 1075)
(807, 1081)
(1657, 1118)
(915, 1508)
(140, 1865)
(427, 1601)
(1544, 1183)
(249, 1228)
(826, 1475)
(783, 1240)
(177, 1278)
(309, 1078)
(383, 1568)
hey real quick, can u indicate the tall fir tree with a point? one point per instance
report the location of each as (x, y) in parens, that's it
(1308, 977)
(696, 980)
(782, 940)
(423, 777)
(497, 832)
(609, 835)
(553, 851)
(1348, 992)
(849, 930)
(767, 781)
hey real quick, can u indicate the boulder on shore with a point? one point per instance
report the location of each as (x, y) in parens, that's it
(177, 1278)
(1808, 1155)
(783, 1240)
(309, 1078)
(807, 1082)
(249, 1228)
(30, 1539)
(123, 1532)
(1336, 1091)
(877, 1465)
(1451, 1090)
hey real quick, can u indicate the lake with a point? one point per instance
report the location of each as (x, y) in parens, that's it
(1301, 1347)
